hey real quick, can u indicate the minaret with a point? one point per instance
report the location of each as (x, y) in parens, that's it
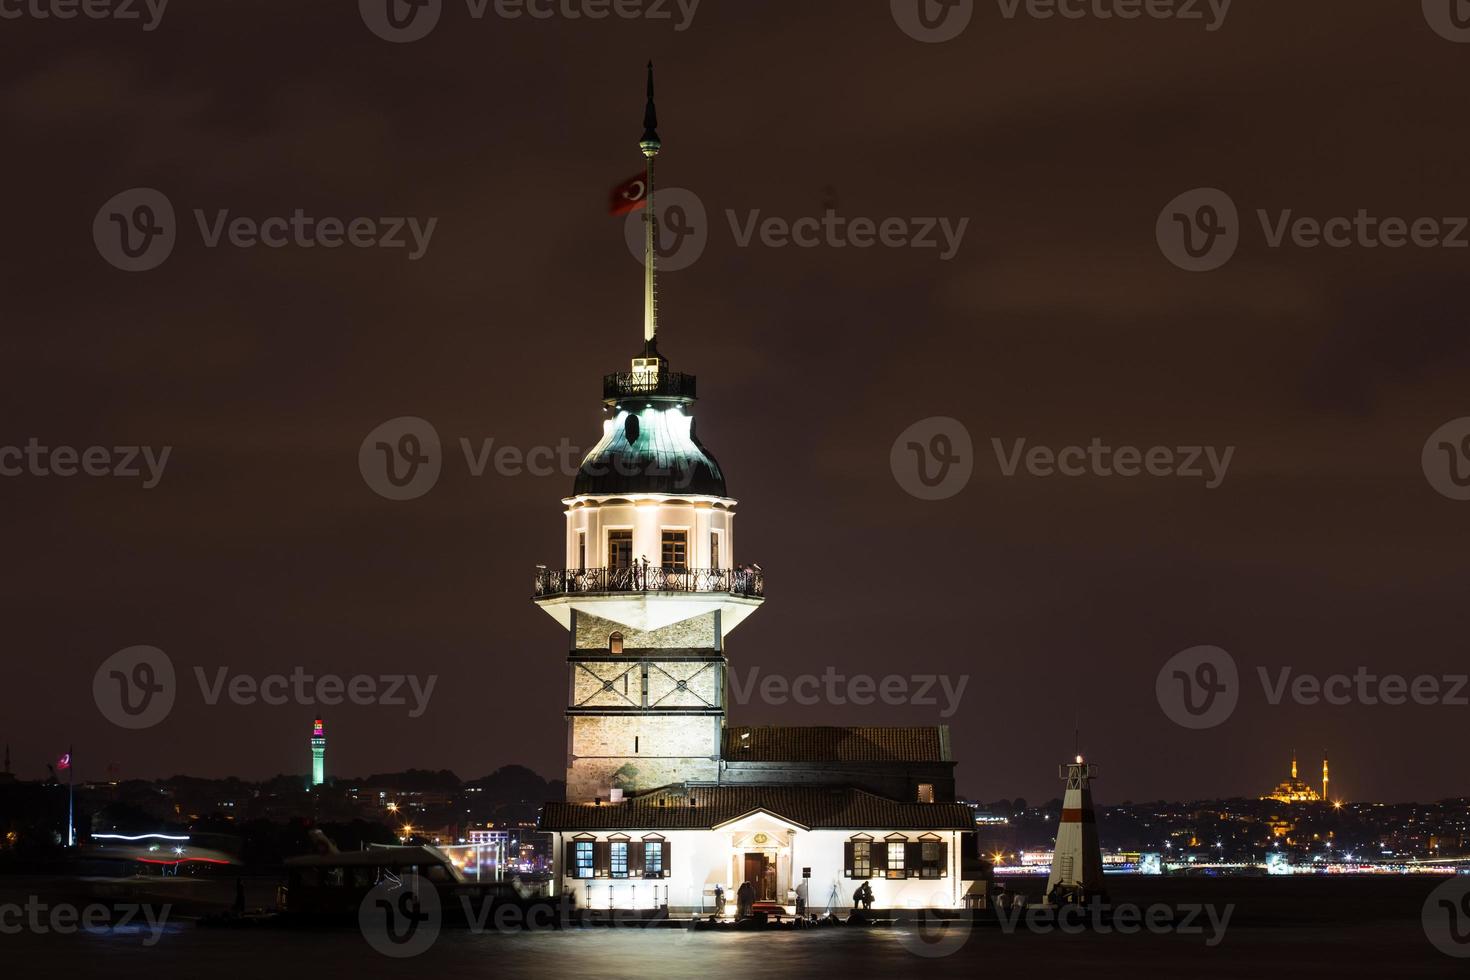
(1293, 763)
(318, 754)
(650, 588)
(1325, 797)
(1076, 864)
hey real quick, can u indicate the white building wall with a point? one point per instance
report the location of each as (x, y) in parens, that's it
(647, 517)
(700, 858)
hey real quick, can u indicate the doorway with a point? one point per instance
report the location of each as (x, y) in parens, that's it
(760, 871)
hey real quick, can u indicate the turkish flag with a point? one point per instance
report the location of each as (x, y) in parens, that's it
(629, 196)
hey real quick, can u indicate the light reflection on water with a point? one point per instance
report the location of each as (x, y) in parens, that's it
(1309, 928)
(1389, 949)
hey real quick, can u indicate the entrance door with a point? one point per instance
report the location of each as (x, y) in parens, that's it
(761, 874)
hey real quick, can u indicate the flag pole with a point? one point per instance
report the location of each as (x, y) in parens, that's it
(650, 145)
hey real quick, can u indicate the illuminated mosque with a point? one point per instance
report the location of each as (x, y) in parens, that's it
(1295, 790)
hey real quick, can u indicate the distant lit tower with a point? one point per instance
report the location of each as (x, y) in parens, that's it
(318, 754)
(1076, 864)
(1325, 797)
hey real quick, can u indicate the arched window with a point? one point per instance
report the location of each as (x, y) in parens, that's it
(615, 642)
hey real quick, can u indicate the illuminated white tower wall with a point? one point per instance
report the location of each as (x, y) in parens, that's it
(318, 754)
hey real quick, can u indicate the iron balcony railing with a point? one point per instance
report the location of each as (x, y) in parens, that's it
(665, 384)
(649, 578)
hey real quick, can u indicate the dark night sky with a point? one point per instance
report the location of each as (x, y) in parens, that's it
(1058, 321)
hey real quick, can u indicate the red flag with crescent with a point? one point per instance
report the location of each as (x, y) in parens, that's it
(629, 196)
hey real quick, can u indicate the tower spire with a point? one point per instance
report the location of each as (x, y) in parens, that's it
(650, 146)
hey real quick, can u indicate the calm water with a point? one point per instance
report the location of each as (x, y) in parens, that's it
(1312, 927)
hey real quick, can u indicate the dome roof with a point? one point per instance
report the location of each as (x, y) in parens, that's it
(651, 449)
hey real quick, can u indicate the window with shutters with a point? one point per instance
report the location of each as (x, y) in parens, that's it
(653, 859)
(863, 857)
(895, 859)
(931, 859)
(618, 859)
(582, 859)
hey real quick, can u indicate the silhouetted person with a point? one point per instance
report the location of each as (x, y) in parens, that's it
(719, 900)
(239, 895)
(864, 896)
(744, 898)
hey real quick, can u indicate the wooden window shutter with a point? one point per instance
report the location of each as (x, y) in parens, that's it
(944, 859)
(601, 858)
(667, 847)
(913, 859)
(879, 856)
(635, 858)
(847, 861)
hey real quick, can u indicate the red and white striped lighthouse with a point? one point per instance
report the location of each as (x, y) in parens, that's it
(1076, 864)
